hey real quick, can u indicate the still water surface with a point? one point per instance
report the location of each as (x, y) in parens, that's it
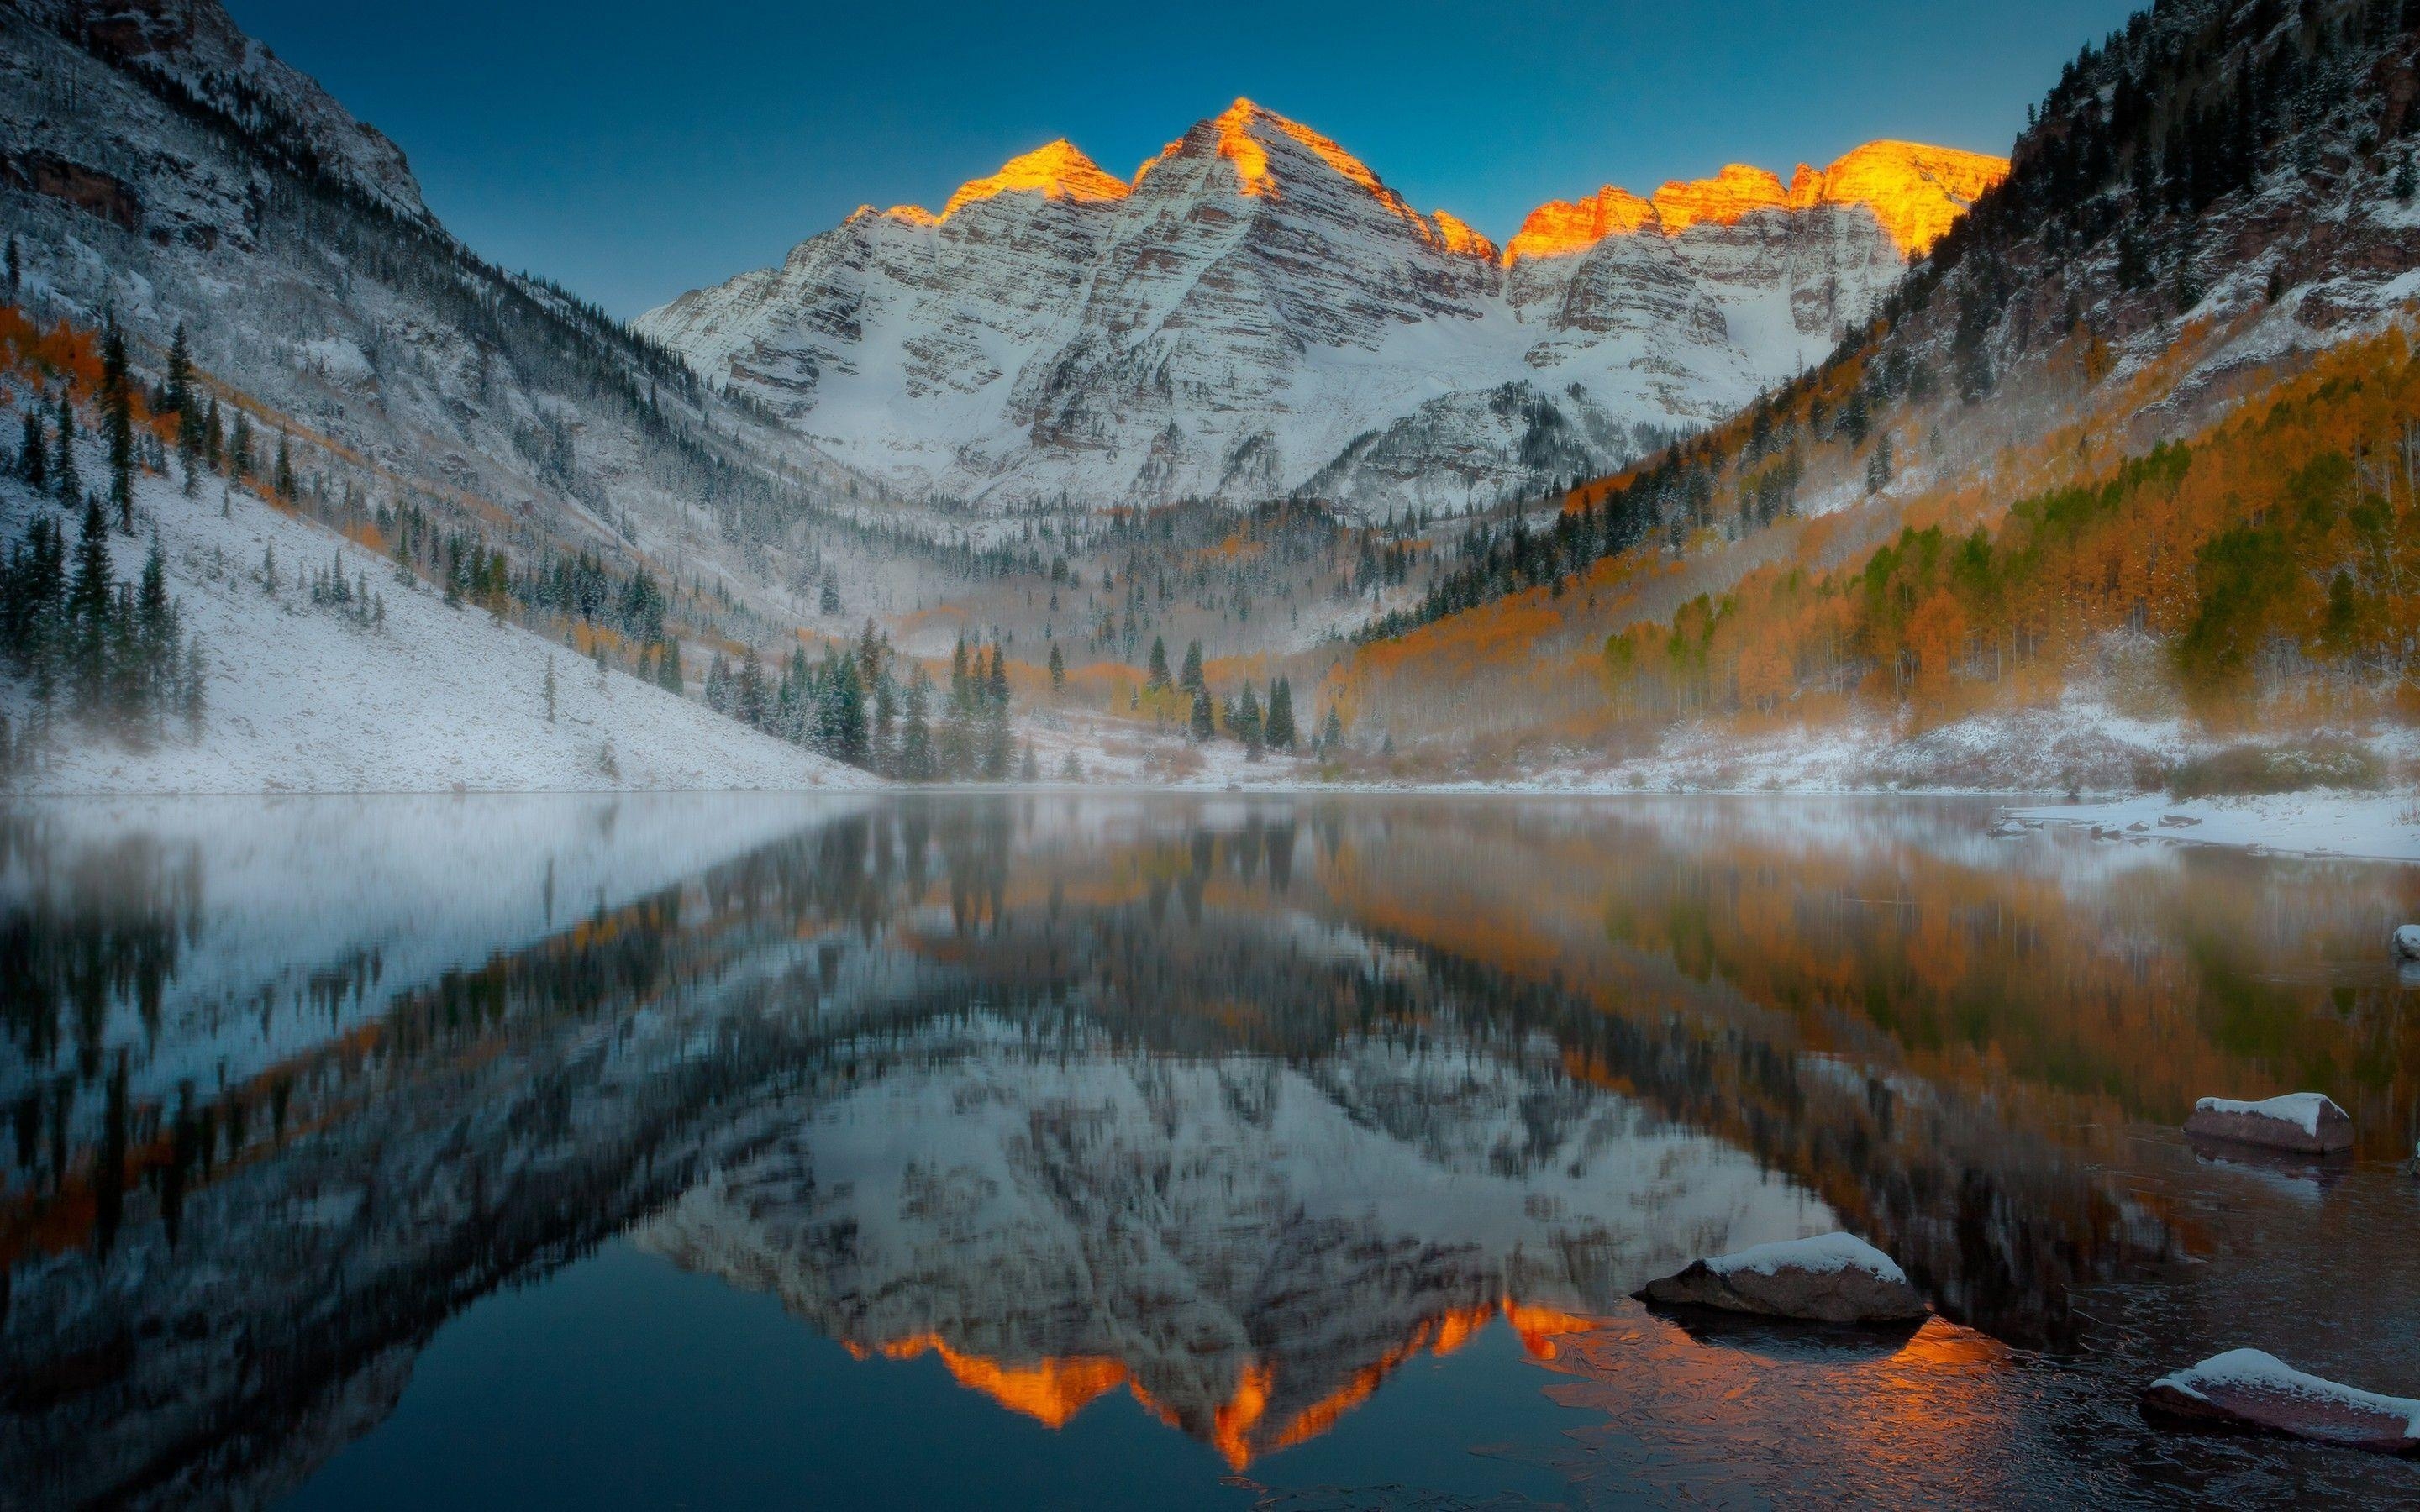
(1039, 1151)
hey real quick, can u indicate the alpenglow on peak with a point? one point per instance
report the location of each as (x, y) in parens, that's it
(1256, 312)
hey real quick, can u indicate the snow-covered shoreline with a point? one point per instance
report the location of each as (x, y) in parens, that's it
(2376, 827)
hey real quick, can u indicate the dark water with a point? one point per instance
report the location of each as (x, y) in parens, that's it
(1045, 1151)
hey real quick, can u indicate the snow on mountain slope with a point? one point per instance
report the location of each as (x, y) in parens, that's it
(305, 698)
(158, 166)
(1257, 312)
(196, 44)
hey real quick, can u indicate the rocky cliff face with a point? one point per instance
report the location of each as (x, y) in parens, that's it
(1257, 313)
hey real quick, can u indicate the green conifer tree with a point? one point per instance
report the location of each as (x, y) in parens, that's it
(1280, 730)
(34, 453)
(63, 465)
(90, 595)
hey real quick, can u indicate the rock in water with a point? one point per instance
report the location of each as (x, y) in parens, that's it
(2406, 942)
(2307, 1123)
(2251, 1389)
(1831, 1278)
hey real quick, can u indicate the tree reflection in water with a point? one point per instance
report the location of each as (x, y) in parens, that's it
(1232, 1105)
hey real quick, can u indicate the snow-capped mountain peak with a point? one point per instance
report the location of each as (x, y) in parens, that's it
(1259, 313)
(1914, 191)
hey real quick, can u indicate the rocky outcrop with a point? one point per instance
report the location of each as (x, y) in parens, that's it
(2302, 1123)
(1256, 311)
(2252, 1390)
(1830, 1278)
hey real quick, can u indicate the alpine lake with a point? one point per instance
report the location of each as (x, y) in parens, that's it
(1049, 1149)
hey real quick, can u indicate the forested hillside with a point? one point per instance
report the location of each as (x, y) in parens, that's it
(2135, 442)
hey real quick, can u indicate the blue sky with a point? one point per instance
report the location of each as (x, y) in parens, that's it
(635, 150)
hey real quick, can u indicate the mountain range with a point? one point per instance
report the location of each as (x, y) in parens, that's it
(1256, 314)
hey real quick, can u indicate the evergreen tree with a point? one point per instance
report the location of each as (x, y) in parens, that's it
(1280, 730)
(550, 688)
(284, 479)
(180, 392)
(90, 591)
(668, 666)
(1058, 669)
(996, 746)
(1331, 734)
(1191, 679)
(2406, 181)
(1158, 676)
(883, 736)
(915, 732)
(63, 466)
(118, 412)
(844, 712)
(869, 656)
(1028, 770)
(1200, 724)
(1248, 728)
(829, 602)
(749, 701)
(33, 454)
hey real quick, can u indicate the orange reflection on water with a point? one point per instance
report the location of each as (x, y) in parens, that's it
(1053, 1390)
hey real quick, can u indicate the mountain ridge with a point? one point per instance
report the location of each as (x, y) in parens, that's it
(1257, 312)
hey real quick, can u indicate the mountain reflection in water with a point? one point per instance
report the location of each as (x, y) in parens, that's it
(1234, 1108)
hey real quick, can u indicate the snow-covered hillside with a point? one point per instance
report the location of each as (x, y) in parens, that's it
(307, 698)
(163, 169)
(1256, 311)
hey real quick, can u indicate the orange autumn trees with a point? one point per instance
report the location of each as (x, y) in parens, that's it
(2275, 560)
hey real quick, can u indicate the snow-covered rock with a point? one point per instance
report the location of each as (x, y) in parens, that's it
(2254, 1389)
(1257, 312)
(2307, 1123)
(2406, 942)
(1828, 1278)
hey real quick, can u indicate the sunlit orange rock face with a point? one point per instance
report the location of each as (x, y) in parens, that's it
(1915, 192)
(1457, 237)
(1058, 171)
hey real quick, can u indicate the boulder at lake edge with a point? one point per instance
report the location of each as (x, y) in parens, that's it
(1830, 1278)
(2406, 942)
(2250, 1389)
(2306, 1123)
